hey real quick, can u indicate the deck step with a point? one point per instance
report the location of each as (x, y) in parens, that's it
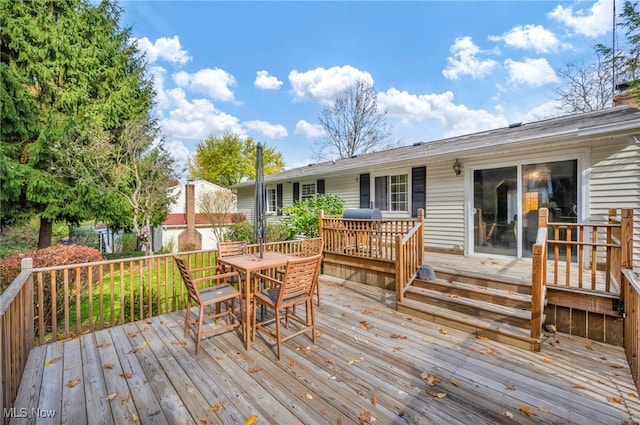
(470, 306)
(502, 332)
(504, 297)
(487, 280)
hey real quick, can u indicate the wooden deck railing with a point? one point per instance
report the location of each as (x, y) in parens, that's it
(595, 248)
(538, 278)
(631, 313)
(408, 258)
(16, 334)
(375, 239)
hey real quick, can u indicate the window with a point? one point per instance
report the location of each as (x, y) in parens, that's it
(392, 192)
(308, 191)
(271, 200)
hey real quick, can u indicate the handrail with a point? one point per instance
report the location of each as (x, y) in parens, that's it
(631, 330)
(16, 333)
(408, 259)
(538, 281)
(590, 245)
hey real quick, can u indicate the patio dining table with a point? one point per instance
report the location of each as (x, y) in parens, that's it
(249, 264)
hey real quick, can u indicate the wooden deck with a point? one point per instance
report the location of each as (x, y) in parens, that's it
(370, 362)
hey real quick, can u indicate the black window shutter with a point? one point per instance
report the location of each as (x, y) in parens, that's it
(418, 189)
(365, 187)
(320, 186)
(279, 199)
(296, 191)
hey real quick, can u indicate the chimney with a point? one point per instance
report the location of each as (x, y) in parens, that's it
(190, 239)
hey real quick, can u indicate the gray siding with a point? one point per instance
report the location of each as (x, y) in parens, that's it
(444, 215)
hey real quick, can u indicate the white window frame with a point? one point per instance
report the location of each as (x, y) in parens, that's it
(304, 195)
(271, 203)
(389, 174)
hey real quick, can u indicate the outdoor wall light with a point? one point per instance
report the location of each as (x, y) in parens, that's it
(457, 167)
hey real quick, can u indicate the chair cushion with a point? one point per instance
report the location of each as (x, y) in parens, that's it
(218, 291)
(272, 294)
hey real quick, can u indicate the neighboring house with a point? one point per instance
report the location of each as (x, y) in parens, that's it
(481, 192)
(176, 221)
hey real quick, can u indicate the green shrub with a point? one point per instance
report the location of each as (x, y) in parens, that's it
(241, 231)
(303, 215)
(277, 232)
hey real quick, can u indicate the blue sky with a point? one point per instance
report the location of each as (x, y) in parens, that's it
(440, 68)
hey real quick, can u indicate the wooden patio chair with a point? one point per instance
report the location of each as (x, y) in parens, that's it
(296, 287)
(310, 247)
(220, 295)
(229, 249)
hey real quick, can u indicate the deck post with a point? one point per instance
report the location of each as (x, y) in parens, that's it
(626, 239)
(421, 235)
(399, 271)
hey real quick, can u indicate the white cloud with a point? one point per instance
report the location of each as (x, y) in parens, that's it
(196, 119)
(179, 152)
(324, 84)
(272, 131)
(543, 111)
(455, 119)
(529, 37)
(309, 130)
(535, 72)
(167, 49)
(464, 61)
(266, 82)
(214, 83)
(592, 22)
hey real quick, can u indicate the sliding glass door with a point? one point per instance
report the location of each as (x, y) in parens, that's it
(495, 207)
(505, 214)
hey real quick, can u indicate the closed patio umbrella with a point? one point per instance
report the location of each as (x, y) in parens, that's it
(259, 220)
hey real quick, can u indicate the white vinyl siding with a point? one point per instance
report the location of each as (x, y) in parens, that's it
(444, 213)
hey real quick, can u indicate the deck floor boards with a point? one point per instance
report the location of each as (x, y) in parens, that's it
(368, 362)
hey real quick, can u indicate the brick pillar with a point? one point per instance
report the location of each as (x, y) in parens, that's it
(190, 239)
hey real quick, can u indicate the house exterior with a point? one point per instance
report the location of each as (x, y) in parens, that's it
(176, 221)
(481, 192)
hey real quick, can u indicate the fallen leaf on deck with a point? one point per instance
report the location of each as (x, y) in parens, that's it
(430, 379)
(352, 361)
(428, 341)
(398, 336)
(547, 360)
(602, 382)
(579, 387)
(324, 412)
(132, 334)
(104, 345)
(634, 395)
(365, 311)
(251, 420)
(454, 383)
(221, 356)
(339, 421)
(365, 417)
(254, 369)
(133, 417)
(435, 394)
(217, 407)
(443, 331)
(526, 410)
(487, 351)
(203, 421)
(365, 325)
(157, 412)
(126, 399)
(69, 367)
(374, 399)
(453, 296)
(73, 382)
(344, 314)
(140, 348)
(543, 409)
(482, 338)
(293, 363)
(112, 396)
(52, 361)
(126, 375)
(510, 387)
(616, 400)
(108, 365)
(617, 366)
(603, 358)
(589, 347)
(310, 396)
(329, 361)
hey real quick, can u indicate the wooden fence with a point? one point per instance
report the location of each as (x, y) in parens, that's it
(631, 313)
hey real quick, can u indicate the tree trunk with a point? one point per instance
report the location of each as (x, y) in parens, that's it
(44, 236)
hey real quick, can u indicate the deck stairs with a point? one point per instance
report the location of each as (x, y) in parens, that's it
(489, 306)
